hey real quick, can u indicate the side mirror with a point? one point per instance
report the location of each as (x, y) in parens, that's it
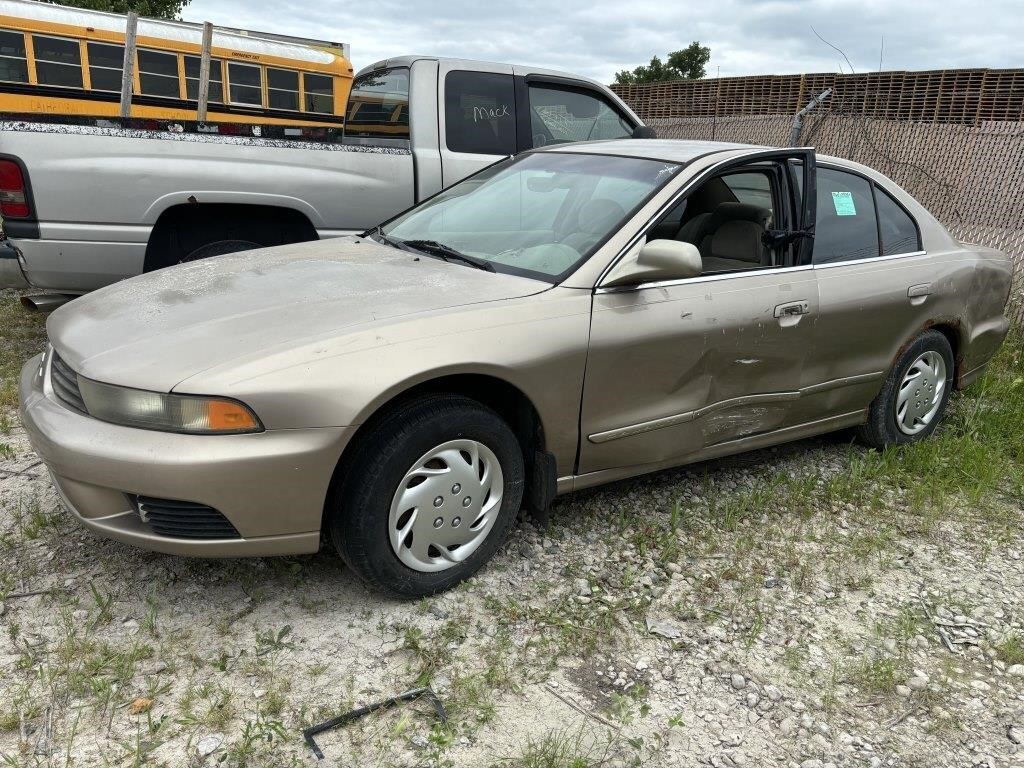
(644, 132)
(656, 260)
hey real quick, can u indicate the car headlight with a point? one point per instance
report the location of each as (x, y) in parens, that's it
(191, 414)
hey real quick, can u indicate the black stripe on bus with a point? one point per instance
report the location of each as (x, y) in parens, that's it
(61, 92)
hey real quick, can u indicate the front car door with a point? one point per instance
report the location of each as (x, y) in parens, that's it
(685, 368)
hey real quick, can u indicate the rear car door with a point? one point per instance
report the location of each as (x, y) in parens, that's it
(877, 288)
(477, 115)
(685, 367)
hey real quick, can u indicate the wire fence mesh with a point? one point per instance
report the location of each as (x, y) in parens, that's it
(964, 166)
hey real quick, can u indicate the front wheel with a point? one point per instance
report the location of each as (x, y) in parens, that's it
(914, 397)
(428, 497)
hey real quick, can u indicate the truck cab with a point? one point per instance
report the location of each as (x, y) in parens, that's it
(103, 200)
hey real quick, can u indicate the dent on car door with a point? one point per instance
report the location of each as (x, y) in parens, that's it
(686, 366)
(878, 289)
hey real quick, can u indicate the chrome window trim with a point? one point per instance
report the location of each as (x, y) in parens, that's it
(704, 279)
(752, 155)
(869, 260)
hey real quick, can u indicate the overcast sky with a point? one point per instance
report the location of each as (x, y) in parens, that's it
(599, 37)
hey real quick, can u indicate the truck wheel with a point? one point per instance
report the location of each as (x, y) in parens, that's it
(914, 396)
(219, 248)
(428, 496)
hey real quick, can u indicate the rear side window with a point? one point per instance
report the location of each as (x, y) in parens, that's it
(13, 66)
(898, 230)
(846, 228)
(58, 61)
(378, 105)
(559, 115)
(480, 113)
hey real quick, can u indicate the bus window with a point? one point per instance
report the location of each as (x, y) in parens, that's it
(319, 91)
(246, 85)
(105, 65)
(158, 74)
(216, 92)
(282, 89)
(58, 61)
(13, 63)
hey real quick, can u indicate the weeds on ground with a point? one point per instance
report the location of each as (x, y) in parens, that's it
(24, 335)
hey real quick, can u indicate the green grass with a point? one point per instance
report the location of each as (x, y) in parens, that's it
(23, 335)
(1011, 650)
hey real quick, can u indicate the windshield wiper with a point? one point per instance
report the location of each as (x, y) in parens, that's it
(448, 253)
(378, 233)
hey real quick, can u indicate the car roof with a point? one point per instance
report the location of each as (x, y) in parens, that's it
(669, 150)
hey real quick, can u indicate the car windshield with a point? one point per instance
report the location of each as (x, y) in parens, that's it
(540, 215)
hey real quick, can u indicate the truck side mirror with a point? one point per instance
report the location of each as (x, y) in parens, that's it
(644, 132)
(656, 260)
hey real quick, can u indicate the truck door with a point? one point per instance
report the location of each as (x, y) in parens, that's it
(556, 110)
(477, 116)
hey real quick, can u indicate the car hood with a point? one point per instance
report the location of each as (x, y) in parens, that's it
(155, 330)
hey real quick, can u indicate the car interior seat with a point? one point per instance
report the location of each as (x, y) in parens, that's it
(596, 218)
(729, 237)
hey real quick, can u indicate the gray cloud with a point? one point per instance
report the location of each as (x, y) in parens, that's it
(599, 37)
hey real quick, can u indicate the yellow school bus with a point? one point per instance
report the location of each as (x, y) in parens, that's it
(56, 60)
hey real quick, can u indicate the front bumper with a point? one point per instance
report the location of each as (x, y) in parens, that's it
(271, 485)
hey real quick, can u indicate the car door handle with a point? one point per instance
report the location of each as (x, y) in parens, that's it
(792, 312)
(919, 293)
(792, 309)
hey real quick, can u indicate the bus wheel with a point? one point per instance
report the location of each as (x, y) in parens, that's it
(219, 248)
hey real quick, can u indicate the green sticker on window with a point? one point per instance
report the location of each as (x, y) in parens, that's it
(843, 201)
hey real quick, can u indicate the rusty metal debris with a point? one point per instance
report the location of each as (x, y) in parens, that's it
(355, 714)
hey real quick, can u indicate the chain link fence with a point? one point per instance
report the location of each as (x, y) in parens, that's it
(969, 172)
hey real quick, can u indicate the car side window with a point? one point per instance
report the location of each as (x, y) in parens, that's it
(559, 115)
(846, 228)
(726, 217)
(480, 113)
(898, 230)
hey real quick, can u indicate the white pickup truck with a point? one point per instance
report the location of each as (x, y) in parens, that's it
(107, 199)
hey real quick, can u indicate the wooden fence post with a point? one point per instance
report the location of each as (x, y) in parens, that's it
(204, 72)
(128, 70)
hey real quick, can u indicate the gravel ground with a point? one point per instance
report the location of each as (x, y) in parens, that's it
(780, 608)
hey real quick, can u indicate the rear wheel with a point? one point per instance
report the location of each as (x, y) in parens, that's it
(914, 397)
(428, 496)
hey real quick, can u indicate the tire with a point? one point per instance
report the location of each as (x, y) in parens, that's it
(931, 358)
(365, 517)
(219, 248)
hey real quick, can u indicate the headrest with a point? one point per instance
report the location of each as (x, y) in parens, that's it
(738, 212)
(600, 215)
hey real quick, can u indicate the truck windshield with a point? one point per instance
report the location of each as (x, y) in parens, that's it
(540, 215)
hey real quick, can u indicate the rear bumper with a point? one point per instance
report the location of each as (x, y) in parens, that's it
(270, 486)
(77, 266)
(12, 274)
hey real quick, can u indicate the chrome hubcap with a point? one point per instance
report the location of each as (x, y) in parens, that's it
(446, 505)
(920, 393)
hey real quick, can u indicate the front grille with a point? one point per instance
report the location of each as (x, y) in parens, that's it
(183, 519)
(65, 384)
